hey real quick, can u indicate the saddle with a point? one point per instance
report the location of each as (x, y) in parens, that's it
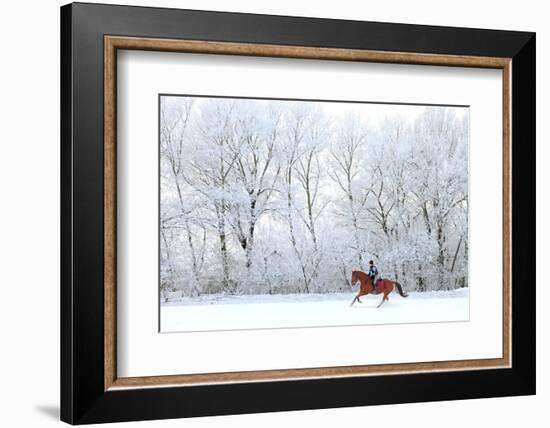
(378, 286)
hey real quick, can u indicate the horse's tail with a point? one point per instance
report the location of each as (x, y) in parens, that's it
(400, 289)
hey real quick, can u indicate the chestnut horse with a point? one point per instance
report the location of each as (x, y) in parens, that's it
(367, 286)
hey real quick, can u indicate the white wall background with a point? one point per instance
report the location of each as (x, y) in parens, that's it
(29, 218)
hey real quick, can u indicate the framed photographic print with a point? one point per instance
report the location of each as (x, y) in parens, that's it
(265, 213)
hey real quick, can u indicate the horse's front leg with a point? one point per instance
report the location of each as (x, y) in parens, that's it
(353, 301)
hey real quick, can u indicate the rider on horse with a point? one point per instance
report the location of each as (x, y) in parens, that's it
(373, 273)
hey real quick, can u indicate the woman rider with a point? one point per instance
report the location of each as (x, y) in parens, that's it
(373, 272)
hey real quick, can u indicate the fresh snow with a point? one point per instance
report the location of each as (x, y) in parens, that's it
(217, 312)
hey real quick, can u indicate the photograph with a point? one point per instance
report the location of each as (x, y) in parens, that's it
(291, 213)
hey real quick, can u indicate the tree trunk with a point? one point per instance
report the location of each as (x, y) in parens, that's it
(291, 230)
(355, 228)
(456, 254)
(251, 228)
(440, 256)
(168, 259)
(196, 274)
(223, 249)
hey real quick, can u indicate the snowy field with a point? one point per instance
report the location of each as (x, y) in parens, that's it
(208, 313)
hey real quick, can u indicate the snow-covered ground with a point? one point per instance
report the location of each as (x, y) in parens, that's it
(311, 310)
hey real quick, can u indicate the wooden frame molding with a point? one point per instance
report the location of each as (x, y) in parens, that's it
(113, 43)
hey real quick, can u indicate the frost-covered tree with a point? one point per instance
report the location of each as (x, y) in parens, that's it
(257, 169)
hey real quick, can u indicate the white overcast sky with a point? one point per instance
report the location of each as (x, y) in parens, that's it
(373, 113)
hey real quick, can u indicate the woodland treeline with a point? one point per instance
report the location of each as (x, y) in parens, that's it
(267, 197)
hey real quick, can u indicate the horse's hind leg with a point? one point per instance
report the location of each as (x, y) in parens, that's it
(384, 298)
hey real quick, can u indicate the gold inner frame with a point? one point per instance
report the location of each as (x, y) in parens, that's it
(113, 43)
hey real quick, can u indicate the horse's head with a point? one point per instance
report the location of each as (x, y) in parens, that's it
(354, 277)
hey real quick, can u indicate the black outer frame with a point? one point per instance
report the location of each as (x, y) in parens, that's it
(83, 399)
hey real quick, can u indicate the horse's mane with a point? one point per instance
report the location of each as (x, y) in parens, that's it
(360, 274)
